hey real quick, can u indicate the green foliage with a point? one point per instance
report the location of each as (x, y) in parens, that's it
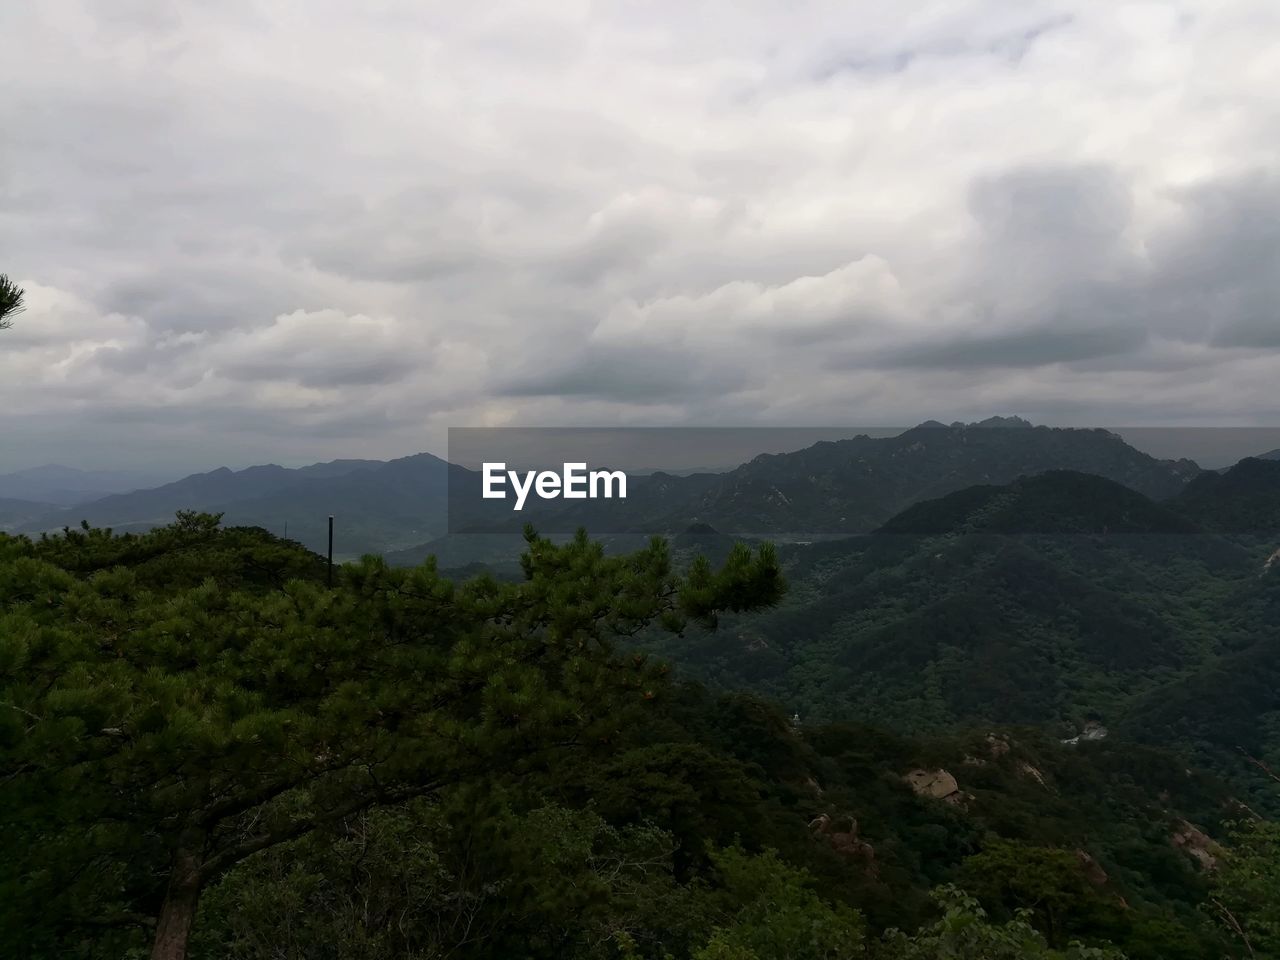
(159, 726)
(965, 933)
(1247, 888)
(429, 880)
(414, 765)
(1045, 885)
(11, 297)
(185, 554)
(770, 913)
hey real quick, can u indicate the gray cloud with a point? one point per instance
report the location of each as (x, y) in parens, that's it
(252, 232)
(644, 375)
(1030, 348)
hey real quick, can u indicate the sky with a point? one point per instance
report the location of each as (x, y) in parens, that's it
(294, 231)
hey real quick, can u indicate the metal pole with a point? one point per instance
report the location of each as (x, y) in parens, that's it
(330, 580)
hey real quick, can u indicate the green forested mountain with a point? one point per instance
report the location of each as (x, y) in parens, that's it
(828, 489)
(1057, 600)
(856, 485)
(205, 751)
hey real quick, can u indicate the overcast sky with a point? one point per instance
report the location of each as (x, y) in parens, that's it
(291, 231)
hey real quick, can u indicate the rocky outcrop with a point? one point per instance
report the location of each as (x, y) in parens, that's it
(1196, 844)
(1093, 871)
(847, 843)
(937, 785)
(1028, 770)
(1092, 731)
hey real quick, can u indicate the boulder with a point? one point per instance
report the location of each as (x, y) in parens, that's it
(936, 784)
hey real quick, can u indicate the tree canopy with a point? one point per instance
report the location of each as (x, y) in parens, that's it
(158, 727)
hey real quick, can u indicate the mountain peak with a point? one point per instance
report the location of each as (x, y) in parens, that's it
(1003, 423)
(989, 423)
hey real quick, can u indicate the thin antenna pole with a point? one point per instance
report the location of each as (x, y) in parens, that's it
(330, 580)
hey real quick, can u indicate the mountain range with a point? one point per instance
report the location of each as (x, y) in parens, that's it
(403, 507)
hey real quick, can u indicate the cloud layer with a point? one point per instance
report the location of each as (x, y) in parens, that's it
(279, 231)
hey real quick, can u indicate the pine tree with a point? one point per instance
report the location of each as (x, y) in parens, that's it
(158, 727)
(11, 296)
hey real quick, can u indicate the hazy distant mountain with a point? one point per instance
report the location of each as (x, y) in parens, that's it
(854, 485)
(1273, 455)
(14, 513)
(213, 491)
(64, 486)
(389, 506)
(377, 505)
(338, 468)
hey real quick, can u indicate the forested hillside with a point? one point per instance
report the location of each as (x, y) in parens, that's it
(1058, 600)
(206, 751)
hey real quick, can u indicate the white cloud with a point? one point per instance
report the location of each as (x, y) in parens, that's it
(265, 230)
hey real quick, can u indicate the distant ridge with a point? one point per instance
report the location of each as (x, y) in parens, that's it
(1055, 502)
(63, 486)
(15, 512)
(199, 491)
(1016, 423)
(855, 485)
(1243, 499)
(830, 488)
